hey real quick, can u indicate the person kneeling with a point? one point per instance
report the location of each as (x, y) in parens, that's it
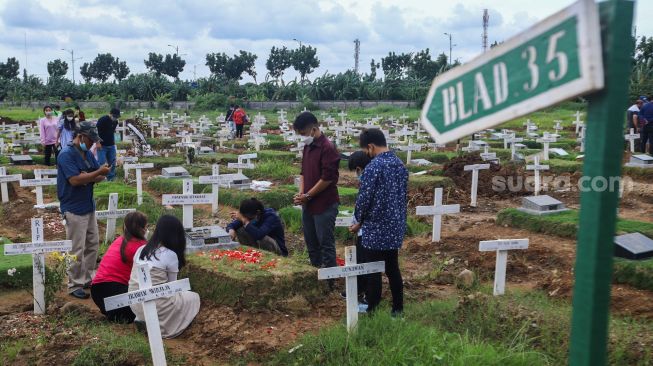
(164, 254)
(259, 227)
(112, 275)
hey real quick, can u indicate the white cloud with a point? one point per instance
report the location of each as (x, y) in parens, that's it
(130, 29)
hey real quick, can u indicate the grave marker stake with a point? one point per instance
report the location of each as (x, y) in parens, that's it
(593, 268)
(501, 247)
(437, 210)
(475, 168)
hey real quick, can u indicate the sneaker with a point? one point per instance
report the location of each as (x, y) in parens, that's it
(80, 294)
(362, 308)
(344, 295)
(397, 314)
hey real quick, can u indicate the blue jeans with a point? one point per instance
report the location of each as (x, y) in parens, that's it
(108, 155)
(320, 237)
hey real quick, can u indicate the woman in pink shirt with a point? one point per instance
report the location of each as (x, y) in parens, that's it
(112, 277)
(48, 129)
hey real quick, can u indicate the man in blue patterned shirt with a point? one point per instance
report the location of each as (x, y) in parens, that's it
(381, 213)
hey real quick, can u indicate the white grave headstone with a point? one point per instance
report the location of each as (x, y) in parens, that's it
(350, 271)
(437, 210)
(475, 168)
(187, 199)
(139, 178)
(536, 167)
(146, 295)
(501, 247)
(37, 248)
(111, 214)
(4, 179)
(631, 137)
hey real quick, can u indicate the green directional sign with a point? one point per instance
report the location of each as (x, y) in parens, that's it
(556, 59)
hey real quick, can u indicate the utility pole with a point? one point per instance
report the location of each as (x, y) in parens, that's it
(72, 60)
(298, 41)
(357, 51)
(486, 21)
(450, 47)
(176, 49)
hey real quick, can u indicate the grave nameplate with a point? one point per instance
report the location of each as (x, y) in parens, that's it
(238, 181)
(641, 161)
(208, 237)
(633, 246)
(541, 205)
(21, 160)
(175, 172)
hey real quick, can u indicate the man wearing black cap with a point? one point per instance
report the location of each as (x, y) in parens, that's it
(77, 172)
(106, 127)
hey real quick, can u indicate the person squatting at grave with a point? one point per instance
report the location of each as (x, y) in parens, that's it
(358, 160)
(381, 213)
(240, 118)
(112, 277)
(66, 128)
(48, 132)
(164, 253)
(318, 191)
(77, 172)
(645, 119)
(259, 227)
(106, 127)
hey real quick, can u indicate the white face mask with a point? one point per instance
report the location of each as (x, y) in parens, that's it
(70, 118)
(308, 139)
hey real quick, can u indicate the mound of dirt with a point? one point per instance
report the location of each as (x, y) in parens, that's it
(487, 186)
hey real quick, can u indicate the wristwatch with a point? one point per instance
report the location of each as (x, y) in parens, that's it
(307, 196)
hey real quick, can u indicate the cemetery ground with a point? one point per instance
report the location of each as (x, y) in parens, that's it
(275, 311)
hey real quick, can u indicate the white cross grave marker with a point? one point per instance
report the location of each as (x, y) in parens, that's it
(350, 271)
(214, 180)
(187, 199)
(475, 168)
(546, 140)
(146, 294)
(37, 248)
(139, 178)
(536, 167)
(581, 139)
(4, 179)
(437, 210)
(111, 214)
(501, 247)
(631, 137)
(39, 182)
(513, 148)
(243, 162)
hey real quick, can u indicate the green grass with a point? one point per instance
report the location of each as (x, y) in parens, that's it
(278, 170)
(563, 224)
(428, 182)
(529, 320)
(234, 283)
(558, 166)
(96, 343)
(381, 340)
(23, 264)
(637, 273)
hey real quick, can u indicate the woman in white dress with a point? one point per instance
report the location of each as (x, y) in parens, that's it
(164, 253)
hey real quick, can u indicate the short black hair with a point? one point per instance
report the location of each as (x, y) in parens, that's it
(358, 159)
(251, 208)
(77, 107)
(303, 120)
(372, 136)
(236, 106)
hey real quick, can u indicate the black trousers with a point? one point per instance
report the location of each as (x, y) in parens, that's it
(373, 286)
(239, 131)
(646, 135)
(360, 258)
(106, 289)
(49, 149)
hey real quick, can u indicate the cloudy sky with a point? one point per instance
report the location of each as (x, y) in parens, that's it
(129, 29)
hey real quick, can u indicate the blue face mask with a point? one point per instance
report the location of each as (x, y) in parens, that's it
(83, 146)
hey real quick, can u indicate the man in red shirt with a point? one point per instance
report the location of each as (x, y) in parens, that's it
(318, 191)
(240, 117)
